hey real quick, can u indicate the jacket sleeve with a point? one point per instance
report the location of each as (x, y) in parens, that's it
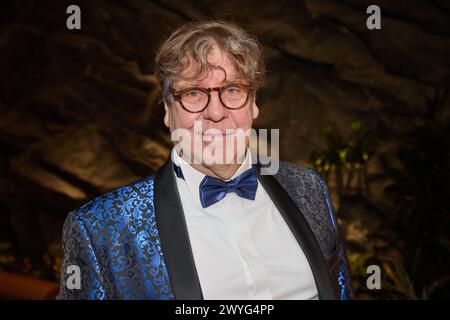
(338, 263)
(81, 276)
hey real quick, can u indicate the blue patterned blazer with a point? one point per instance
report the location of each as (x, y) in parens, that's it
(133, 243)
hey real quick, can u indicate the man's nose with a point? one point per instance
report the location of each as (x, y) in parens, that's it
(215, 110)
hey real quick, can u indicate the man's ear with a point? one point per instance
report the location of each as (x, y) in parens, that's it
(255, 108)
(166, 115)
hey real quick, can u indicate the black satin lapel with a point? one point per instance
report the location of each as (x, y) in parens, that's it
(302, 232)
(173, 232)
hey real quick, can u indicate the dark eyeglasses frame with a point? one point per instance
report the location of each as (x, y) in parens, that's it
(177, 95)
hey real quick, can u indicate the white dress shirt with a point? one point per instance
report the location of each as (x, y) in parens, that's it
(243, 249)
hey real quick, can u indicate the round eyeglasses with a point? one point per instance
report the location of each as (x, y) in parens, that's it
(196, 99)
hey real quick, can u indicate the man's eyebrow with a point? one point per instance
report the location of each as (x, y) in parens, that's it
(237, 80)
(185, 86)
(196, 84)
(189, 85)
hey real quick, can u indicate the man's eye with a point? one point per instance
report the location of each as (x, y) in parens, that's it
(192, 94)
(232, 90)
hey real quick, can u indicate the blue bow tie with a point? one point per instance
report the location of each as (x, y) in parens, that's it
(213, 189)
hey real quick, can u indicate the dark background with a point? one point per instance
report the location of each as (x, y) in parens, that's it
(369, 109)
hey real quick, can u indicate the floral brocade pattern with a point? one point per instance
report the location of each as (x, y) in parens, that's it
(114, 241)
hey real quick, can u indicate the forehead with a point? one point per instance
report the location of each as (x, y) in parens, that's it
(220, 70)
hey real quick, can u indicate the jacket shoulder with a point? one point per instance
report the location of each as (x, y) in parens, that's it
(111, 204)
(299, 178)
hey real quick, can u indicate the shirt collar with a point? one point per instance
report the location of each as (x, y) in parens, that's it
(193, 177)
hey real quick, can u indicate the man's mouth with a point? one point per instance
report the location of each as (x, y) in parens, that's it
(216, 134)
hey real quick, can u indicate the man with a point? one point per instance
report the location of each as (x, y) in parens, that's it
(208, 225)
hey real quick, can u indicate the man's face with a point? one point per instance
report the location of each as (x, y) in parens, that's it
(216, 116)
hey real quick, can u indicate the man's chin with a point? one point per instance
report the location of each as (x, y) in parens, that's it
(218, 157)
